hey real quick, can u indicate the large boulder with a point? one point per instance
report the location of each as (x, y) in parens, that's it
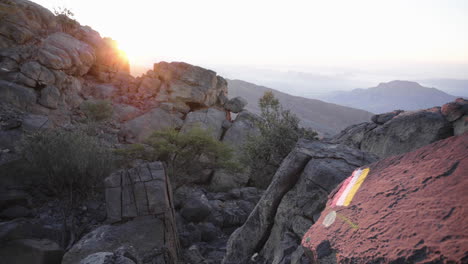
(295, 197)
(60, 51)
(191, 84)
(397, 132)
(141, 196)
(406, 132)
(139, 128)
(210, 119)
(236, 136)
(410, 208)
(236, 104)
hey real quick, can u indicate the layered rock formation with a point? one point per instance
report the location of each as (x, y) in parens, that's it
(398, 132)
(410, 208)
(142, 196)
(292, 202)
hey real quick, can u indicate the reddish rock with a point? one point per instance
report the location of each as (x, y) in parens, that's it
(411, 208)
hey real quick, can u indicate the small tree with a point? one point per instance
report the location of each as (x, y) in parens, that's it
(279, 132)
(184, 154)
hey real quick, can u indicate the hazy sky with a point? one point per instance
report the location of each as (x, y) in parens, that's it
(426, 37)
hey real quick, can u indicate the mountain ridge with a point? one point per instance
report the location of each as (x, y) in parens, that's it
(385, 97)
(326, 118)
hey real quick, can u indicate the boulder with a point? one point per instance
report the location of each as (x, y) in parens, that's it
(191, 84)
(20, 96)
(60, 51)
(297, 193)
(383, 118)
(353, 135)
(139, 128)
(402, 133)
(142, 196)
(236, 104)
(406, 132)
(210, 119)
(124, 112)
(461, 125)
(33, 251)
(454, 110)
(196, 208)
(104, 91)
(50, 97)
(410, 208)
(236, 135)
(37, 72)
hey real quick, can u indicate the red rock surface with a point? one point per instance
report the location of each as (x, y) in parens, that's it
(411, 208)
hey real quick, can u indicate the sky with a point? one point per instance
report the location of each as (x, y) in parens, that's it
(416, 38)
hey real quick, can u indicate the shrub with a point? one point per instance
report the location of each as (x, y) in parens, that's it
(185, 154)
(98, 110)
(73, 162)
(279, 132)
(66, 18)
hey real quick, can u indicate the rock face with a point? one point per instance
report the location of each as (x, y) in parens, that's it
(243, 126)
(210, 119)
(399, 132)
(410, 208)
(293, 200)
(138, 129)
(143, 197)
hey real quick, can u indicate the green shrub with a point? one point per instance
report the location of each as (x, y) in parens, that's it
(279, 132)
(184, 154)
(98, 110)
(73, 162)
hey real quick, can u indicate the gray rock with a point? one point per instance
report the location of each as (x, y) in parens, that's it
(383, 118)
(236, 104)
(298, 191)
(407, 131)
(37, 72)
(139, 191)
(17, 95)
(404, 132)
(460, 126)
(236, 136)
(146, 235)
(104, 91)
(124, 112)
(139, 128)
(190, 84)
(196, 209)
(31, 251)
(50, 97)
(210, 119)
(60, 51)
(98, 258)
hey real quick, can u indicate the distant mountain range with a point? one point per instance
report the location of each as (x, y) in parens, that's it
(404, 95)
(326, 118)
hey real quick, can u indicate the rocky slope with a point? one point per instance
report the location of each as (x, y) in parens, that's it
(292, 202)
(410, 208)
(404, 95)
(324, 117)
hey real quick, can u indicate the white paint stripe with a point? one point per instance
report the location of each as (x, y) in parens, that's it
(348, 188)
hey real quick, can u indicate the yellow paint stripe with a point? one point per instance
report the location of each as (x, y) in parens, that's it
(356, 186)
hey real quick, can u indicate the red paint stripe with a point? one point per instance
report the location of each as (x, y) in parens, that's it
(343, 187)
